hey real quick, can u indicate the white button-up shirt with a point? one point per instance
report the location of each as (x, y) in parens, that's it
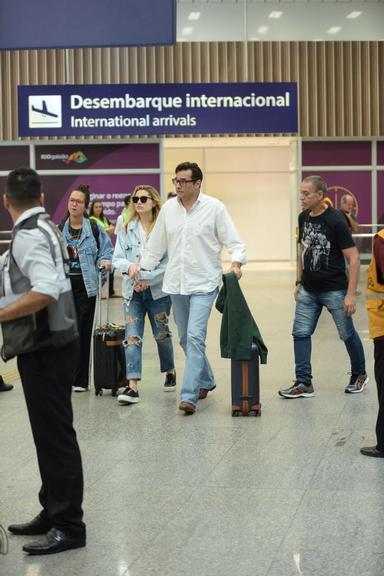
(194, 240)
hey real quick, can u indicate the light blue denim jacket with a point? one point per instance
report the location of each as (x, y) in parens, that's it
(128, 250)
(90, 258)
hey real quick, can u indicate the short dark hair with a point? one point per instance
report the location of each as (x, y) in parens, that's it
(318, 182)
(127, 199)
(23, 187)
(195, 169)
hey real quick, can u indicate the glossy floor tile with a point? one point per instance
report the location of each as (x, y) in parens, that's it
(285, 494)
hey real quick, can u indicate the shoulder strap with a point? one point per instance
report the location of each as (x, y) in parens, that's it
(95, 232)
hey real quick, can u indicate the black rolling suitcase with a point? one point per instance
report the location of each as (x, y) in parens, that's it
(108, 352)
(245, 384)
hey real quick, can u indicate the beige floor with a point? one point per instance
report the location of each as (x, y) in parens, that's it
(286, 494)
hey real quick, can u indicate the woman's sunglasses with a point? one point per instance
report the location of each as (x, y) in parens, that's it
(142, 199)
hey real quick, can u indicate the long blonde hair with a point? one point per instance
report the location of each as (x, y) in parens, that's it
(155, 196)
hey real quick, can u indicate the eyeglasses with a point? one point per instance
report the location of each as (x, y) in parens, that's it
(181, 181)
(74, 201)
(143, 199)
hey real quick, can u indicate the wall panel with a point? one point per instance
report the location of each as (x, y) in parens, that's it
(340, 83)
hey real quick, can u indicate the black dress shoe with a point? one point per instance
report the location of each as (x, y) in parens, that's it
(3, 386)
(372, 451)
(36, 526)
(56, 541)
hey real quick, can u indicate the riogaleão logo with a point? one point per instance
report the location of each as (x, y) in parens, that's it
(78, 157)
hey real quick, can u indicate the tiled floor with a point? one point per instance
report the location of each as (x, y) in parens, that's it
(286, 494)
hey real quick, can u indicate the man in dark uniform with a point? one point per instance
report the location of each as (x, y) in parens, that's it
(37, 316)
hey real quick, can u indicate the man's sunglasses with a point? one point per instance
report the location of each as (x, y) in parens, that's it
(142, 199)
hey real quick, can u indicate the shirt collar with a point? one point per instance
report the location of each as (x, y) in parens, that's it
(28, 213)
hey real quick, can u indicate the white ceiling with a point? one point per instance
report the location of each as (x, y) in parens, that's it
(239, 20)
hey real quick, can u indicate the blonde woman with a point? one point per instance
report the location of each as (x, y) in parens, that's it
(145, 296)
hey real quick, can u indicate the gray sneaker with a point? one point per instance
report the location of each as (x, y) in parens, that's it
(298, 390)
(357, 384)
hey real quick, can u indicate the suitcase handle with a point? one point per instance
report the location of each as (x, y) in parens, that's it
(101, 272)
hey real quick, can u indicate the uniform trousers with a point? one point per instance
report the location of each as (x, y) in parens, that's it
(47, 382)
(378, 344)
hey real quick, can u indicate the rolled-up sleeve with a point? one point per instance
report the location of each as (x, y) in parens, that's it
(32, 253)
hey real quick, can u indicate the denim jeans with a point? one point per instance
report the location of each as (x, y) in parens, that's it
(308, 309)
(158, 311)
(191, 316)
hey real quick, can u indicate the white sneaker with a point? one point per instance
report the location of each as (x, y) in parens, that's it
(80, 388)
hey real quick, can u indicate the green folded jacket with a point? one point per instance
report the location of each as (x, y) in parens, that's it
(238, 327)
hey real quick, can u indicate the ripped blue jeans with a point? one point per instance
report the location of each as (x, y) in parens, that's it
(158, 311)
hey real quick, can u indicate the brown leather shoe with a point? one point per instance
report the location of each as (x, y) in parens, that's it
(203, 393)
(187, 407)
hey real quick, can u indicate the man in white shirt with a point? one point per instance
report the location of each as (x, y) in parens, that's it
(193, 228)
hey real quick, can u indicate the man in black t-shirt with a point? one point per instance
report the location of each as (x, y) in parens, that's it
(323, 245)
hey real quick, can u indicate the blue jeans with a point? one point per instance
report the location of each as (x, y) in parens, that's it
(308, 309)
(158, 311)
(191, 316)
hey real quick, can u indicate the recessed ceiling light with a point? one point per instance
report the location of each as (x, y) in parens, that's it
(194, 15)
(275, 14)
(354, 14)
(187, 31)
(262, 29)
(333, 29)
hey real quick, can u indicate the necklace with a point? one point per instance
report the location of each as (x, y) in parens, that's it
(75, 232)
(75, 237)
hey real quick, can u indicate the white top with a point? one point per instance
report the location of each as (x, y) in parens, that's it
(119, 224)
(194, 241)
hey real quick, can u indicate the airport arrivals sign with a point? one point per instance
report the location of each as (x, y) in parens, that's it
(157, 109)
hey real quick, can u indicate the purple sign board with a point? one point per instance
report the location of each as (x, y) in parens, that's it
(97, 156)
(380, 197)
(380, 153)
(12, 157)
(160, 109)
(336, 153)
(357, 184)
(27, 24)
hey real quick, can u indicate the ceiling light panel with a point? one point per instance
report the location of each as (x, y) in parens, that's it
(194, 16)
(334, 30)
(275, 14)
(353, 15)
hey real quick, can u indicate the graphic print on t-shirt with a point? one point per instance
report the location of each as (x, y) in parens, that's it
(315, 247)
(74, 262)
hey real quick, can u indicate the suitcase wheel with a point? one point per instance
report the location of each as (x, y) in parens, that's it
(99, 392)
(114, 392)
(235, 413)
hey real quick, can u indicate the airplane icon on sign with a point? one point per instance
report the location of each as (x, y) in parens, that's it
(44, 110)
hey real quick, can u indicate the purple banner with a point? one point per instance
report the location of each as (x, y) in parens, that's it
(97, 156)
(336, 153)
(380, 153)
(357, 184)
(12, 157)
(380, 197)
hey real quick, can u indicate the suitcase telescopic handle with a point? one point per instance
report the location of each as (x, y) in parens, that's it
(101, 271)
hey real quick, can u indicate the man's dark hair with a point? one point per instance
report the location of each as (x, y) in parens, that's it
(318, 182)
(23, 187)
(195, 169)
(127, 199)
